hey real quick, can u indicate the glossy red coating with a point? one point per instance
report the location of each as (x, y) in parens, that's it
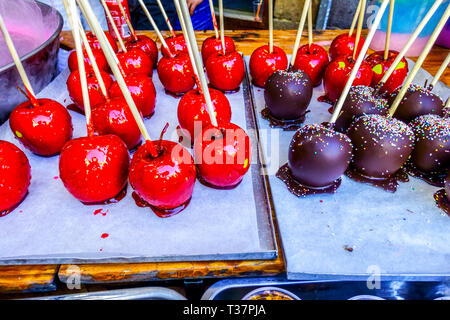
(15, 176)
(93, 41)
(167, 181)
(99, 59)
(337, 73)
(222, 155)
(142, 90)
(192, 108)
(135, 61)
(176, 45)
(43, 129)
(313, 60)
(115, 117)
(176, 74)
(344, 44)
(225, 72)
(147, 45)
(94, 169)
(213, 45)
(263, 64)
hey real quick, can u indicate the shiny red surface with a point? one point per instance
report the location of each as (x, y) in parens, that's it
(142, 90)
(15, 176)
(176, 74)
(94, 169)
(192, 108)
(94, 91)
(263, 64)
(380, 66)
(222, 155)
(167, 181)
(135, 61)
(337, 73)
(145, 44)
(93, 41)
(313, 60)
(43, 129)
(114, 117)
(99, 59)
(176, 45)
(343, 45)
(213, 45)
(225, 72)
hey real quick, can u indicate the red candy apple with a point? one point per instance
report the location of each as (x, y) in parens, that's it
(222, 155)
(115, 117)
(142, 91)
(344, 44)
(176, 74)
(225, 72)
(380, 66)
(165, 182)
(176, 45)
(93, 41)
(94, 169)
(263, 64)
(213, 45)
(94, 91)
(99, 59)
(44, 128)
(313, 60)
(192, 111)
(337, 73)
(145, 44)
(135, 61)
(15, 176)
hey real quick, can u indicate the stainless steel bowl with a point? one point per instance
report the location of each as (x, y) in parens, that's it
(39, 64)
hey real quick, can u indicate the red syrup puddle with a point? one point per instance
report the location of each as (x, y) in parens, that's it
(300, 190)
(115, 199)
(254, 84)
(389, 184)
(433, 178)
(8, 211)
(135, 148)
(286, 125)
(173, 94)
(441, 201)
(104, 235)
(149, 116)
(74, 108)
(55, 178)
(209, 185)
(325, 99)
(330, 110)
(162, 213)
(100, 211)
(226, 91)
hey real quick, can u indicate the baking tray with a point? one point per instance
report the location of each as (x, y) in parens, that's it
(237, 289)
(361, 229)
(52, 227)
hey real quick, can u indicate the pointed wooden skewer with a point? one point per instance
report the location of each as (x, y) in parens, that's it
(441, 70)
(128, 22)
(169, 25)
(419, 61)
(300, 31)
(258, 10)
(355, 18)
(222, 32)
(113, 24)
(359, 60)
(18, 63)
(155, 27)
(198, 61)
(109, 54)
(213, 17)
(310, 26)
(389, 29)
(270, 26)
(408, 44)
(359, 28)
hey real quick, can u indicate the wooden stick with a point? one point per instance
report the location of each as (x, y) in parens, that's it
(355, 18)
(258, 10)
(270, 26)
(351, 78)
(213, 17)
(198, 61)
(222, 32)
(155, 27)
(359, 28)
(310, 26)
(109, 53)
(169, 25)
(113, 24)
(441, 70)
(408, 44)
(300, 31)
(389, 29)
(419, 61)
(128, 22)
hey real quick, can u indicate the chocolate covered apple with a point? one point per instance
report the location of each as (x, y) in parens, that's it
(225, 72)
(213, 45)
(442, 197)
(264, 63)
(312, 59)
(176, 74)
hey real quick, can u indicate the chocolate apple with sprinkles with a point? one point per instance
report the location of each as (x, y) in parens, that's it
(442, 197)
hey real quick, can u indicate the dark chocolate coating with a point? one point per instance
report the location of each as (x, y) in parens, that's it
(318, 155)
(359, 101)
(431, 152)
(381, 145)
(447, 186)
(417, 101)
(287, 94)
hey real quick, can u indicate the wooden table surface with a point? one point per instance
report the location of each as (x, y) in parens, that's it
(42, 278)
